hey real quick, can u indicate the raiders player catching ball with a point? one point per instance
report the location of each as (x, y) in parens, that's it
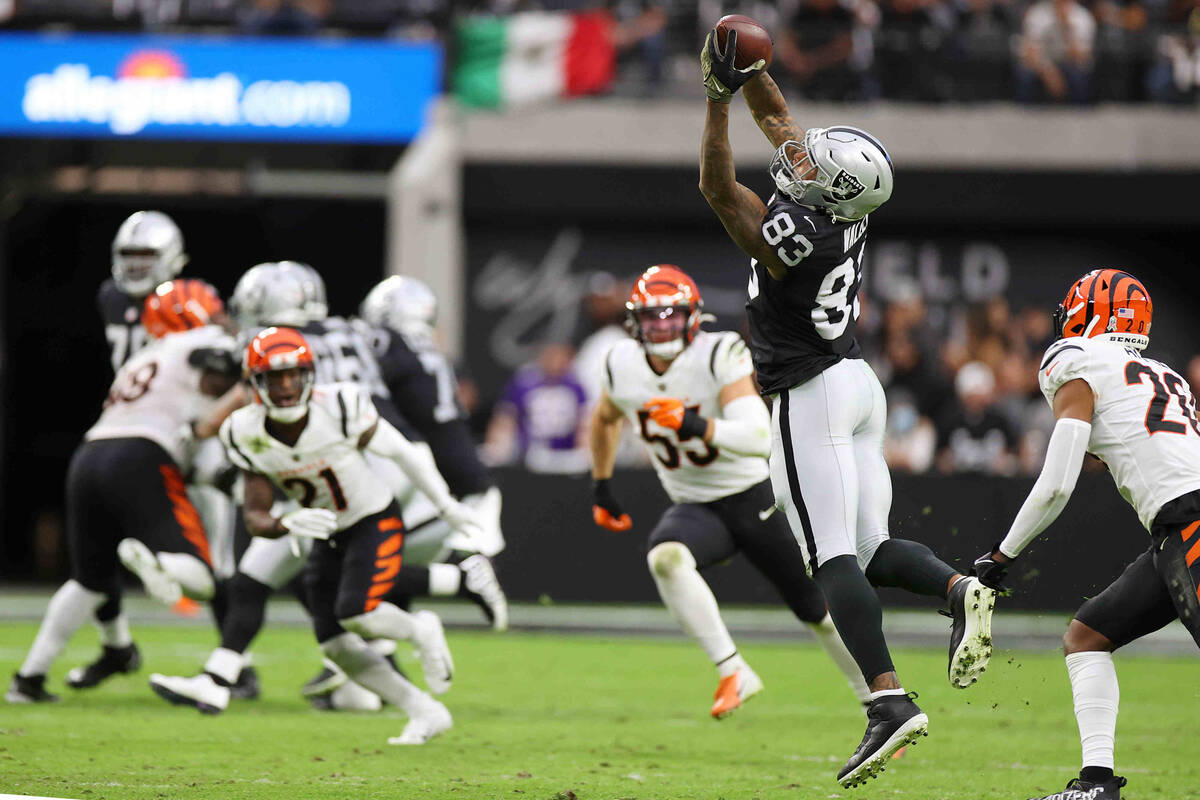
(828, 408)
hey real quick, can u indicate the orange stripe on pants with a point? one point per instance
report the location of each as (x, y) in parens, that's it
(185, 513)
(1193, 554)
(387, 563)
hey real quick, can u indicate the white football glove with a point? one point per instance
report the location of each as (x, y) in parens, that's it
(313, 523)
(463, 520)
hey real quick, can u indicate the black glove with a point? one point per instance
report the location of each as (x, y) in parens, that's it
(991, 573)
(693, 425)
(606, 511)
(721, 78)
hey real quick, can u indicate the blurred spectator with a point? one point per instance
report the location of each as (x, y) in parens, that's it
(974, 436)
(912, 371)
(911, 49)
(816, 48)
(1175, 76)
(981, 49)
(1055, 53)
(639, 34)
(1122, 48)
(604, 317)
(284, 17)
(909, 442)
(539, 418)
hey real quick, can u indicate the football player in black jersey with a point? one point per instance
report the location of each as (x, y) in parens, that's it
(828, 409)
(146, 252)
(399, 313)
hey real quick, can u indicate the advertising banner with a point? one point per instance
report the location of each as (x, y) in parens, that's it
(90, 85)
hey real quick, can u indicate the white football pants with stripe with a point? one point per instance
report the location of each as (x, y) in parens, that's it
(827, 466)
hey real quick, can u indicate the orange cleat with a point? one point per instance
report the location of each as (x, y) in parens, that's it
(186, 607)
(733, 690)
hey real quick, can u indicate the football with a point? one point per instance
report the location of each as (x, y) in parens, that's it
(753, 41)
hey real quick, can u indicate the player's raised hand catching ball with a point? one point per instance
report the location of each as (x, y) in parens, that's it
(735, 50)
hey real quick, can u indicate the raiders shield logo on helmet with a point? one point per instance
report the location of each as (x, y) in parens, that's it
(845, 187)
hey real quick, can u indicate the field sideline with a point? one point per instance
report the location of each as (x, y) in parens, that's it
(546, 716)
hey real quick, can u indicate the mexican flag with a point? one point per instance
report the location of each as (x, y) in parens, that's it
(532, 56)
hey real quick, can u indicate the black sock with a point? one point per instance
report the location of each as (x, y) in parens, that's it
(247, 608)
(910, 565)
(1096, 774)
(219, 603)
(110, 608)
(856, 614)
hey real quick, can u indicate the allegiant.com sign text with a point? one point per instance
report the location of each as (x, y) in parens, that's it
(227, 89)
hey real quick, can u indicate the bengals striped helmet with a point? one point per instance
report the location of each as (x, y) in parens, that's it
(276, 350)
(664, 310)
(180, 305)
(1106, 304)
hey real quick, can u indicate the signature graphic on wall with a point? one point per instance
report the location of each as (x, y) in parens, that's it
(539, 302)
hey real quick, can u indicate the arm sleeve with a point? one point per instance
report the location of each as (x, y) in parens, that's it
(744, 427)
(1064, 458)
(415, 459)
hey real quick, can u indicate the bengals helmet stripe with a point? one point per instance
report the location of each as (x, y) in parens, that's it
(1108, 303)
(664, 286)
(180, 305)
(275, 349)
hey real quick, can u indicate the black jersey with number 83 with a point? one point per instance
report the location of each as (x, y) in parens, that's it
(805, 323)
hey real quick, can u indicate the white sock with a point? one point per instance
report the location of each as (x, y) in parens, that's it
(731, 665)
(69, 608)
(827, 635)
(886, 693)
(192, 574)
(226, 664)
(385, 621)
(115, 632)
(690, 601)
(444, 579)
(1097, 696)
(369, 669)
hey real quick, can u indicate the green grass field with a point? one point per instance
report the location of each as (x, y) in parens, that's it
(555, 716)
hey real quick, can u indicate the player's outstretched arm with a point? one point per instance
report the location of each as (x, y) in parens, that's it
(1073, 408)
(770, 111)
(739, 209)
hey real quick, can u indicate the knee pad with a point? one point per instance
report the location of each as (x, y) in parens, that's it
(668, 558)
(192, 574)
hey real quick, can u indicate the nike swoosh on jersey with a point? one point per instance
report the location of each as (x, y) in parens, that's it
(766, 513)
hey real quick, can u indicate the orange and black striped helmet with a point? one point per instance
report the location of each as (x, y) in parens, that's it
(180, 305)
(1106, 304)
(661, 291)
(277, 349)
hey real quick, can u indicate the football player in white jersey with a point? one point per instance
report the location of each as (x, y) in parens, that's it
(691, 396)
(1138, 416)
(126, 497)
(309, 441)
(806, 246)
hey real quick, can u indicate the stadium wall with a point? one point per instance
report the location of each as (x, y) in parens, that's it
(556, 554)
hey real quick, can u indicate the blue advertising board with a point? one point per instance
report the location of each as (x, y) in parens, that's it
(163, 87)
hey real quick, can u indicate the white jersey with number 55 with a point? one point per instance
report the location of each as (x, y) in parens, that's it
(157, 391)
(691, 470)
(1144, 426)
(325, 468)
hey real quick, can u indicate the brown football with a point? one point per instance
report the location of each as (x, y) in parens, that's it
(753, 41)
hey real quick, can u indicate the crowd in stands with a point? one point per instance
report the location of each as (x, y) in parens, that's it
(962, 389)
(1031, 51)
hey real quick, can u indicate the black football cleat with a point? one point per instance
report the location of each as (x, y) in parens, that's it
(1079, 789)
(971, 605)
(247, 687)
(112, 661)
(29, 689)
(893, 722)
